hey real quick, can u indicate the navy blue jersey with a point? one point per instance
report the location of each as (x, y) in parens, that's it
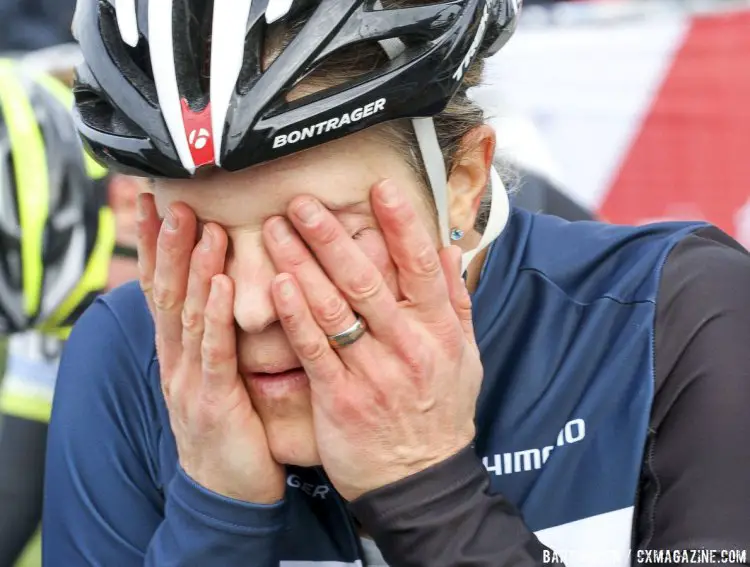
(564, 318)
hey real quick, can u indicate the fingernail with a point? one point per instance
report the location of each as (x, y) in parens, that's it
(170, 220)
(206, 239)
(308, 212)
(286, 288)
(280, 231)
(389, 193)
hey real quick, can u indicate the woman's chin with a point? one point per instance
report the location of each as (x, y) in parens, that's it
(293, 444)
(289, 428)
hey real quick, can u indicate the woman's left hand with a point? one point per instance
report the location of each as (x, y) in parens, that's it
(403, 396)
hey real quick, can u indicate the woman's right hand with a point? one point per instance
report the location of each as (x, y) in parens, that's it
(221, 441)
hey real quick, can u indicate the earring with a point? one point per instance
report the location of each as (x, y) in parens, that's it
(456, 234)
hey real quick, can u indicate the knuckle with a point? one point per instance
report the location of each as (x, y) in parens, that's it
(297, 258)
(417, 359)
(332, 310)
(462, 301)
(345, 405)
(147, 286)
(291, 322)
(366, 284)
(404, 212)
(313, 350)
(192, 320)
(214, 319)
(165, 298)
(426, 261)
(327, 232)
(214, 355)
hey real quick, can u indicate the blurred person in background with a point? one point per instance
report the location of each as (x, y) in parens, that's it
(62, 215)
(28, 25)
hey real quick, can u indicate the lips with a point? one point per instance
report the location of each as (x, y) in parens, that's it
(276, 386)
(275, 372)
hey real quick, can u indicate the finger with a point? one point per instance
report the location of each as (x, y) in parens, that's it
(289, 254)
(460, 299)
(421, 277)
(347, 267)
(219, 345)
(148, 225)
(206, 261)
(174, 246)
(307, 339)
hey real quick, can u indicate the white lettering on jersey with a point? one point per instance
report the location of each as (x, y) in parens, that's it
(327, 126)
(458, 75)
(314, 490)
(533, 459)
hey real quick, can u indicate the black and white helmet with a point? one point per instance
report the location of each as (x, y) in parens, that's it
(56, 229)
(143, 107)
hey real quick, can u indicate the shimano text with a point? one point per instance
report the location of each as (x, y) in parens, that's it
(533, 459)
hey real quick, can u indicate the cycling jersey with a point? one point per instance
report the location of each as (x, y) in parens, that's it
(30, 373)
(602, 424)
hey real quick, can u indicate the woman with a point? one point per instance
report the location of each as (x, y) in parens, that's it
(305, 379)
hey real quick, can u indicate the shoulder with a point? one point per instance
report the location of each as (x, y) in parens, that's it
(590, 260)
(702, 311)
(112, 340)
(706, 264)
(126, 308)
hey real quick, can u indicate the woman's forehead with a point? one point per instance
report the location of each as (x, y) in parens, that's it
(340, 175)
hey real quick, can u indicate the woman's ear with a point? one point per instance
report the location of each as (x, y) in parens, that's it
(470, 175)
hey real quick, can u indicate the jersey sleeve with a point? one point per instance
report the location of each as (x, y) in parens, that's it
(103, 504)
(695, 489)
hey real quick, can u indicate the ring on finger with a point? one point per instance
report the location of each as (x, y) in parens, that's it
(349, 336)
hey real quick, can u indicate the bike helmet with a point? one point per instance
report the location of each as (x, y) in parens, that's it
(143, 106)
(56, 232)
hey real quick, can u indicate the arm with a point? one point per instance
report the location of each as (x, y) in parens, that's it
(695, 491)
(103, 504)
(446, 516)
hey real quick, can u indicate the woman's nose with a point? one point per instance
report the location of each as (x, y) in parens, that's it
(253, 304)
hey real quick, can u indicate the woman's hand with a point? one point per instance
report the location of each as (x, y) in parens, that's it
(403, 396)
(220, 439)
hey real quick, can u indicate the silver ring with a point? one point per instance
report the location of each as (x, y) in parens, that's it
(351, 335)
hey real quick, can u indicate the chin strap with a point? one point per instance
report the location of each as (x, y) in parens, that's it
(432, 157)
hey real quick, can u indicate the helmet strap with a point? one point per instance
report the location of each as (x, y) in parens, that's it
(432, 158)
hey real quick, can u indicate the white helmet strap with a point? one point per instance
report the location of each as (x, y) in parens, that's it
(432, 157)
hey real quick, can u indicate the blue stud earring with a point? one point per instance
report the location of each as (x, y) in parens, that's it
(456, 234)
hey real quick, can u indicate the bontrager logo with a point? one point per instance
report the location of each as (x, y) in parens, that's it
(533, 459)
(199, 138)
(333, 124)
(458, 75)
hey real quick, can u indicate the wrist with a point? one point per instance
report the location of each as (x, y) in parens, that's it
(260, 495)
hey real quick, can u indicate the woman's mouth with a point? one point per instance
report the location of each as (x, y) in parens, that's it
(275, 384)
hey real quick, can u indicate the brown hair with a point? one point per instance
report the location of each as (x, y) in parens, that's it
(458, 119)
